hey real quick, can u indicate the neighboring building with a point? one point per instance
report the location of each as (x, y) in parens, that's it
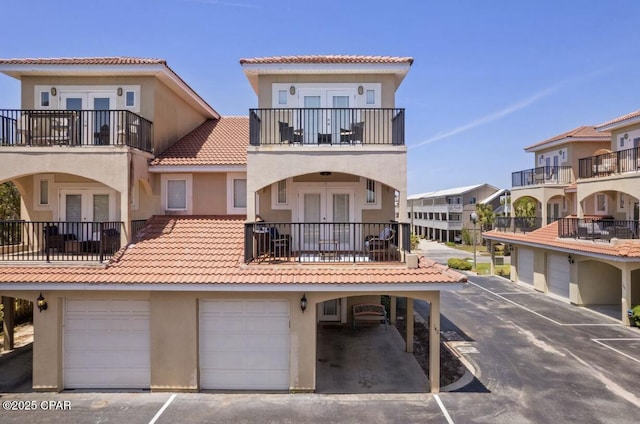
(176, 249)
(588, 192)
(441, 215)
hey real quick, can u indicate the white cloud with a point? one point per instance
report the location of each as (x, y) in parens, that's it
(512, 108)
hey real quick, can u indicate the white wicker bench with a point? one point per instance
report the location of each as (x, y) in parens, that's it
(369, 312)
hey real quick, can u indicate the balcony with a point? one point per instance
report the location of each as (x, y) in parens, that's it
(541, 175)
(346, 243)
(25, 241)
(610, 163)
(20, 127)
(517, 224)
(326, 127)
(597, 229)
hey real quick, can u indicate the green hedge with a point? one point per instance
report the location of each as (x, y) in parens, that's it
(460, 264)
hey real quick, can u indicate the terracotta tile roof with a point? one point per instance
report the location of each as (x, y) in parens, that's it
(330, 59)
(547, 236)
(83, 61)
(620, 119)
(215, 142)
(584, 131)
(209, 250)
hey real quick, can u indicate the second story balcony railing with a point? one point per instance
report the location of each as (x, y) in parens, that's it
(21, 127)
(41, 241)
(326, 126)
(597, 229)
(325, 242)
(517, 224)
(541, 175)
(610, 163)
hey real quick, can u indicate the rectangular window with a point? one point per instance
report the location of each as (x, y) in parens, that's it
(371, 97)
(44, 99)
(472, 201)
(240, 193)
(601, 203)
(130, 99)
(282, 192)
(371, 191)
(44, 192)
(282, 97)
(621, 141)
(177, 194)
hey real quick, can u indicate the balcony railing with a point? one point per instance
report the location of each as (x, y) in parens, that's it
(326, 126)
(59, 241)
(610, 163)
(75, 128)
(325, 242)
(517, 224)
(597, 229)
(542, 175)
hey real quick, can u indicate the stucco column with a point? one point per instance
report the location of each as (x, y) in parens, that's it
(434, 343)
(125, 234)
(543, 207)
(409, 325)
(47, 344)
(626, 294)
(9, 320)
(492, 262)
(394, 310)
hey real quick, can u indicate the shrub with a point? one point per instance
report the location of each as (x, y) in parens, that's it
(467, 237)
(460, 264)
(450, 244)
(636, 314)
(415, 239)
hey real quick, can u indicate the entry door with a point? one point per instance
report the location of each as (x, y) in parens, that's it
(329, 310)
(82, 208)
(98, 126)
(324, 114)
(327, 214)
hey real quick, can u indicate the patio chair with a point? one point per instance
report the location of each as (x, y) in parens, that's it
(380, 248)
(354, 134)
(54, 240)
(279, 244)
(110, 240)
(288, 134)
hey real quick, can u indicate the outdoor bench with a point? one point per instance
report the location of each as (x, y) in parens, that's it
(369, 312)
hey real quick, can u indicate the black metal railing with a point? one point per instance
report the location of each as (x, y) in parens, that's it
(326, 126)
(21, 127)
(597, 229)
(517, 224)
(541, 175)
(136, 225)
(610, 163)
(325, 242)
(60, 241)
(10, 232)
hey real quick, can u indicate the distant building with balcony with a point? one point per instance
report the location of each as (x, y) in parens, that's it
(442, 215)
(179, 250)
(583, 245)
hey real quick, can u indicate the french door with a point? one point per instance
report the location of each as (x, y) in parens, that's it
(326, 214)
(82, 207)
(100, 125)
(325, 113)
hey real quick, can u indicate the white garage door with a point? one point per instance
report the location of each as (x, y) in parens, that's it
(244, 344)
(106, 344)
(525, 266)
(558, 275)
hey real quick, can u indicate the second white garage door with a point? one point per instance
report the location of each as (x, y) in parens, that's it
(244, 344)
(525, 266)
(558, 273)
(106, 344)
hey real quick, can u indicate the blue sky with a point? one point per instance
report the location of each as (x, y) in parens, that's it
(489, 77)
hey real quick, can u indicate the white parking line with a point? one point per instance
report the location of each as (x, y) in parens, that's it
(165, 406)
(443, 409)
(599, 341)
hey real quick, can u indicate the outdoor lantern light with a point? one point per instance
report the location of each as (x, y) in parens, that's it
(53, 91)
(41, 303)
(303, 302)
(360, 90)
(119, 91)
(474, 219)
(570, 259)
(292, 90)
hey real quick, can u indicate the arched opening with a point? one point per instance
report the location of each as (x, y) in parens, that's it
(16, 317)
(600, 287)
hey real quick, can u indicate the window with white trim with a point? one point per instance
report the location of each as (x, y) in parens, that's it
(371, 191)
(282, 192)
(239, 193)
(177, 192)
(371, 97)
(601, 203)
(130, 99)
(42, 193)
(282, 97)
(44, 99)
(236, 193)
(472, 200)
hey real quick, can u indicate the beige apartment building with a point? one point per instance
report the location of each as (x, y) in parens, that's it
(583, 245)
(173, 249)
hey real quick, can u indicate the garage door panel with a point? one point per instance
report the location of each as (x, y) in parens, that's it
(525, 266)
(559, 274)
(245, 345)
(106, 343)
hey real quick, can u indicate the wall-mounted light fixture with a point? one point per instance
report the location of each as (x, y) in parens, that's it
(570, 259)
(303, 302)
(360, 90)
(325, 173)
(119, 91)
(41, 303)
(292, 90)
(626, 136)
(54, 91)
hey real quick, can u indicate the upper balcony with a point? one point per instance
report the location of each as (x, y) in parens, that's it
(542, 175)
(609, 163)
(22, 127)
(326, 126)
